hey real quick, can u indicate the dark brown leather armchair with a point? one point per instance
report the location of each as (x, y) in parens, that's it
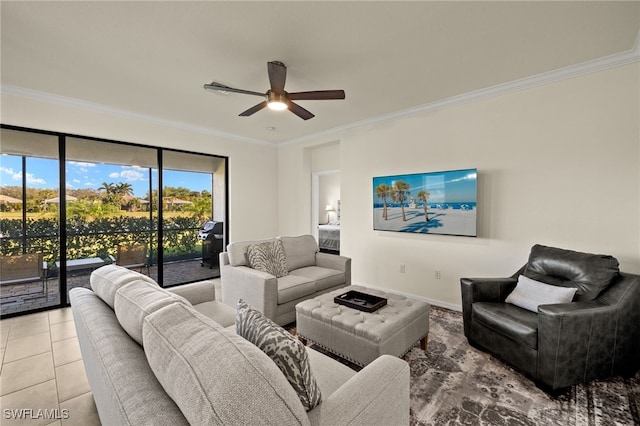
(597, 335)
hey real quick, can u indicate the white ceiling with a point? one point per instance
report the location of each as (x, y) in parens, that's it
(150, 59)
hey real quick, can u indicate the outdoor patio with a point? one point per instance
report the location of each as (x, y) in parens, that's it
(25, 297)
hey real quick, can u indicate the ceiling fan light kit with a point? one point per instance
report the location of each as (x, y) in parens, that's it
(277, 101)
(277, 98)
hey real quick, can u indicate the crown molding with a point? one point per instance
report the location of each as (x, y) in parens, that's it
(593, 66)
(550, 77)
(36, 95)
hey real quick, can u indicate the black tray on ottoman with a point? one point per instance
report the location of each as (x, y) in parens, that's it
(360, 301)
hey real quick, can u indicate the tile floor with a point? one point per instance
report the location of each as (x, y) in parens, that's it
(42, 378)
(41, 369)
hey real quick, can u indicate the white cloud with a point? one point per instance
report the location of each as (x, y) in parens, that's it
(14, 175)
(131, 175)
(34, 180)
(17, 176)
(81, 164)
(467, 177)
(89, 184)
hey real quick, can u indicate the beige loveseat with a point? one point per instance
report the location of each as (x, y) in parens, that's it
(310, 273)
(157, 358)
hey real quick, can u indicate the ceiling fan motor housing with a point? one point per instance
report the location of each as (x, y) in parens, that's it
(277, 101)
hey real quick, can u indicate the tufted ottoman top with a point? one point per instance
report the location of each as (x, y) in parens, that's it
(375, 326)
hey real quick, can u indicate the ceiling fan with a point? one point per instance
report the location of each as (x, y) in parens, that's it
(277, 98)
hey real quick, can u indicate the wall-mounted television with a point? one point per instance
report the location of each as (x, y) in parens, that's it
(427, 203)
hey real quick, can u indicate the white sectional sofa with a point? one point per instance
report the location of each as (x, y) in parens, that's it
(157, 357)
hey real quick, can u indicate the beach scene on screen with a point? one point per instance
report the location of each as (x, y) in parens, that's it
(427, 203)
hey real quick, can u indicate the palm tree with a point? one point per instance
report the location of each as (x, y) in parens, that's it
(401, 193)
(110, 195)
(424, 196)
(124, 188)
(383, 191)
(108, 188)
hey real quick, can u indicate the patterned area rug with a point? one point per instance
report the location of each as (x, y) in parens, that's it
(453, 383)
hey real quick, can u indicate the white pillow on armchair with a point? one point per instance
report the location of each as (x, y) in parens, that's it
(529, 294)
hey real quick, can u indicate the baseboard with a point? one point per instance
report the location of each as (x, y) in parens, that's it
(433, 302)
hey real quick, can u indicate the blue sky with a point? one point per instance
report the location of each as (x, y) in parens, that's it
(444, 187)
(43, 173)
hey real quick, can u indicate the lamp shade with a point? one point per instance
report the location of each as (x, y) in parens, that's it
(329, 208)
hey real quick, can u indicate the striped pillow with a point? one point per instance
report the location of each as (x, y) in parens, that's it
(268, 257)
(285, 350)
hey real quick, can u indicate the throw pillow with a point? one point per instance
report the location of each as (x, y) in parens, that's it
(285, 350)
(268, 257)
(529, 293)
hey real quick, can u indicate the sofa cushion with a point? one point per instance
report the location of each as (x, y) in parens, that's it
(106, 280)
(215, 376)
(268, 257)
(124, 388)
(138, 299)
(221, 313)
(300, 251)
(589, 273)
(294, 287)
(529, 293)
(329, 373)
(512, 322)
(237, 251)
(324, 277)
(285, 350)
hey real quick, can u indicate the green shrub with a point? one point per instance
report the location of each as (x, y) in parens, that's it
(99, 237)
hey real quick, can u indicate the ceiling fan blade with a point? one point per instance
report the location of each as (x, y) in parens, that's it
(299, 111)
(254, 109)
(222, 88)
(317, 95)
(277, 75)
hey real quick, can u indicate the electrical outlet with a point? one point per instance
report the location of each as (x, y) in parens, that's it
(437, 274)
(402, 268)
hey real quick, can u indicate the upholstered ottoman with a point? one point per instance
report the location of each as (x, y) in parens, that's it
(361, 337)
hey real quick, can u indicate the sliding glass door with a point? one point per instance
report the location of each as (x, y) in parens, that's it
(136, 206)
(189, 253)
(29, 221)
(109, 190)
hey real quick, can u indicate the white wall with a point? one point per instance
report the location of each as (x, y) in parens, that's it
(253, 184)
(558, 165)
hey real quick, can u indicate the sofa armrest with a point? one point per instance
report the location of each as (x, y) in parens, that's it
(332, 261)
(377, 395)
(580, 341)
(575, 342)
(259, 289)
(196, 293)
(483, 290)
